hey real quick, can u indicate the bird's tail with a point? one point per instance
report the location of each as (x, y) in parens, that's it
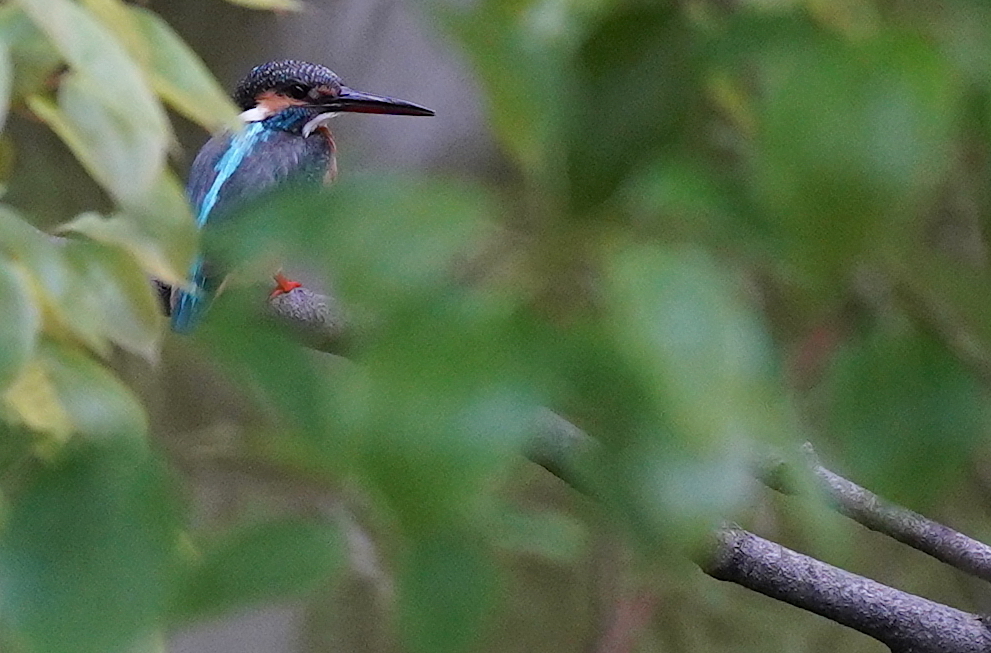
(188, 306)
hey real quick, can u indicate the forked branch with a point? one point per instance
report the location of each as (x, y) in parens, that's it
(904, 622)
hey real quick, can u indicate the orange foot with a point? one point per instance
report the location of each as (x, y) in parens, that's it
(283, 285)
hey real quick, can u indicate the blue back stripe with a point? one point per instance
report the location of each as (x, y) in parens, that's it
(241, 145)
(190, 304)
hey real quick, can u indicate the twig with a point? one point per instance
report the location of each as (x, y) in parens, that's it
(873, 512)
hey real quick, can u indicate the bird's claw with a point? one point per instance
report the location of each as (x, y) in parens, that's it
(283, 285)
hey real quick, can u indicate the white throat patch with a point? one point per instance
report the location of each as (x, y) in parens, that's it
(257, 114)
(317, 122)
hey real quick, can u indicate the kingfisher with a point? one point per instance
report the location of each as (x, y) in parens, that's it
(285, 106)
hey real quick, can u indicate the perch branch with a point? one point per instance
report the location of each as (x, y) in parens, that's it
(317, 320)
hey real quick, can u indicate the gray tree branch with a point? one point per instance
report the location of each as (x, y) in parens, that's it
(873, 512)
(904, 622)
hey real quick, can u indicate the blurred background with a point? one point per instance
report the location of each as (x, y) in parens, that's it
(702, 230)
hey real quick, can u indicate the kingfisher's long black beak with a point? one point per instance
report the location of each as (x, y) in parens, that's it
(358, 102)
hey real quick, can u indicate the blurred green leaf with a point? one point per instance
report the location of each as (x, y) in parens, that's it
(682, 201)
(964, 35)
(446, 390)
(276, 5)
(180, 76)
(551, 535)
(258, 356)
(86, 555)
(450, 395)
(32, 401)
(97, 403)
(440, 403)
(109, 116)
(447, 587)
(114, 297)
(903, 408)
(708, 367)
(851, 135)
(16, 445)
(115, 15)
(127, 233)
(19, 321)
(389, 239)
(263, 563)
(639, 84)
(32, 55)
(121, 155)
(708, 358)
(522, 73)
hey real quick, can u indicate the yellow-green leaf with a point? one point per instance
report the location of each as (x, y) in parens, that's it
(33, 56)
(107, 97)
(181, 77)
(165, 215)
(98, 405)
(33, 401)
(64, 306)
(95, 52)
(90, 291)
(113, 289)
(19, 321)
(115, 15)
(124, 158)
(158, 230)
(127, 233)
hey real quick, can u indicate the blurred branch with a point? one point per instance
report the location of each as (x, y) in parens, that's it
(559, 447)
(928, 309)
(873, 512)
(902, 621)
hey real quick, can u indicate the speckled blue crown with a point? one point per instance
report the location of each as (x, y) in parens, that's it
(281, 74)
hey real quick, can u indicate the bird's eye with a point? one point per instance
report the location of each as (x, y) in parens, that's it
(298, 91)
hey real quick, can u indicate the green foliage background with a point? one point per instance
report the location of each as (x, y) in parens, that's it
(729, 227)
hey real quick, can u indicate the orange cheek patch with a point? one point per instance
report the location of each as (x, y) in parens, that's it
(271, 102)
